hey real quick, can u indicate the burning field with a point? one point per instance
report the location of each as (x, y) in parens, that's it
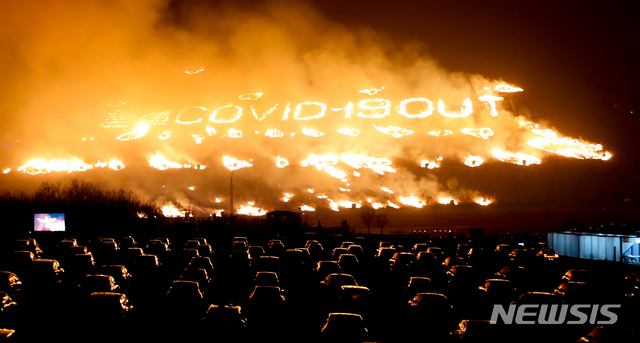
(290, 109)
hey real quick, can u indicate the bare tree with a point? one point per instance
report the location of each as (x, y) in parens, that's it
(367, 216)
(382, 221)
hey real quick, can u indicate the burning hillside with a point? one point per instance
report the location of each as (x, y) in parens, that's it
(302, 110)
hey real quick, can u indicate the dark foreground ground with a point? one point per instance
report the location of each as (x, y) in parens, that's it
(60, 307)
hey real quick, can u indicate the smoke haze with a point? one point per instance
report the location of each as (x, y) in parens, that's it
(78, 75)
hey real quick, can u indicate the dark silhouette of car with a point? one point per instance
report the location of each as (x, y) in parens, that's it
(335, 255)
(418, 247)
(325, 267)
(334, 281)
(344, 327)
(93, 283)
(255, 251)
(575, 292)
(498, 291)
(44, 273)
(429, 314)
(199, 275)
(418, 284)
(205, 250)
(225, 318)
(355, 299)
(80, 265)
(610, 334)
(462, 276)
(538, 298)
(477, 330)
(127, 242)
(346, 244)
(578, 275)
(521, 257)
(348, 263)
(453, 261)
(10, 283)
(547, 254)
(108, 306)
(437, 252)
(119, 272)
(185, 301)
(202, 262)
(264, 278)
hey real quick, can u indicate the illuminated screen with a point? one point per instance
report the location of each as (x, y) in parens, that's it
(48, 222)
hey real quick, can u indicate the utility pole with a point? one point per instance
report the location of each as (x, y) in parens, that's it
(231, 195)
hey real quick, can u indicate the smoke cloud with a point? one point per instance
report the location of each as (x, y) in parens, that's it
(79, 77)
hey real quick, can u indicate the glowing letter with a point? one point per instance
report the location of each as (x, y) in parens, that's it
(298, 110)
(213, 115)
(383, 104)
(189, 122)
(465, 112)
(402, 109)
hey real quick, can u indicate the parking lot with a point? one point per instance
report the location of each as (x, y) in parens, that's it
(306, 287)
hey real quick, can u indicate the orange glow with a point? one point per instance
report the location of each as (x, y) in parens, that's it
(402, 108)
(297, 113)
(473, 161)
(312, 132)
(412, 201)
(440, 133)
(197, 121)
(483, 201)
(251, 96)
(466, 110)
(515, 158)
(159, 162)
(172, 211)
(394, 131)
(378, 165)
(447, 201)
(349, 132)
(41, 166)
(371, 91)
(484, 133)
(194, 71)
(235, 164)
(378, 108)
(136, 133)
(431, 164)
(251, 210)
(491, 99)
(281, 162)
(505, 88)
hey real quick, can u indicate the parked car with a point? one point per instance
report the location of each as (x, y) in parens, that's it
(341, 327)
(578, 275)
(119, 272)
(418, 284)
(255, 251)
(199, 275)
(334, 281)
(264, 278)
(547, 254)
(225, 318)
(538, 298)
(109, 305)
(477, 330)
(10, 283)
(98, 283)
